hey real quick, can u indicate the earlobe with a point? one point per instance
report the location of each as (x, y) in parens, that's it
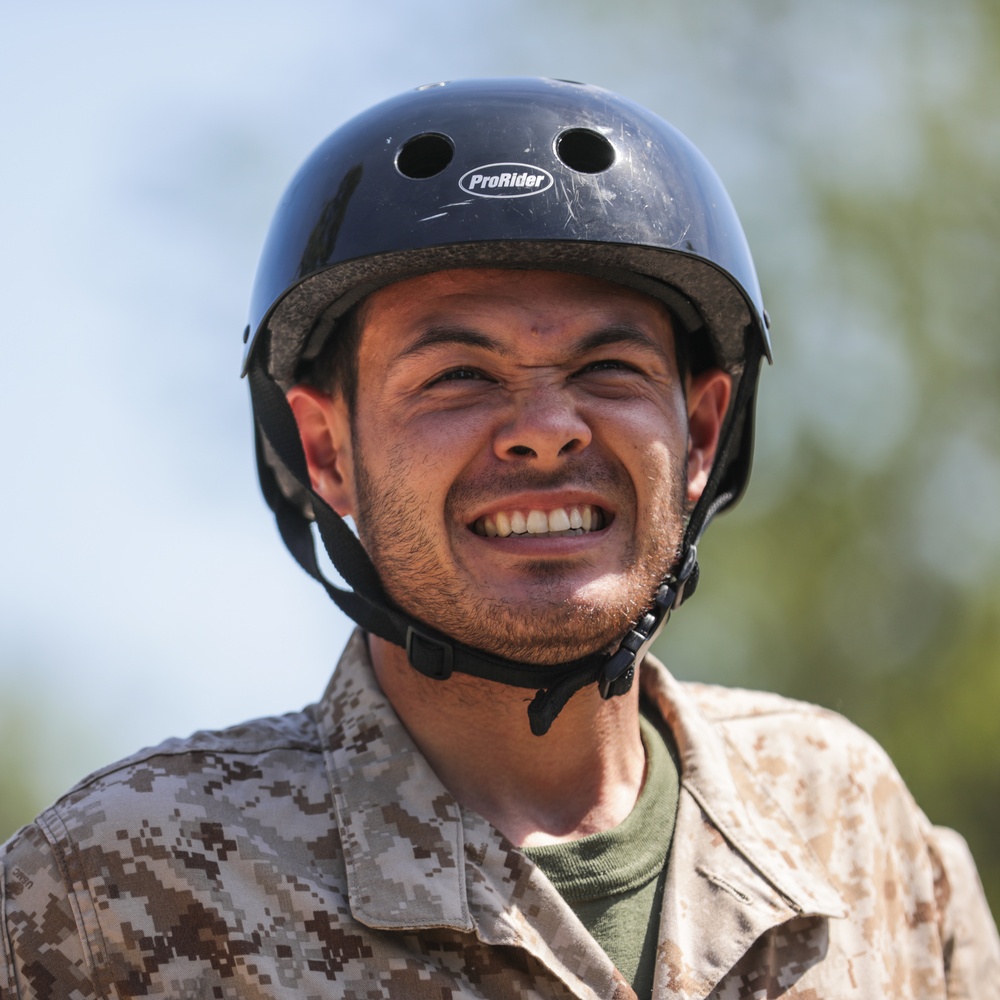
(708, 400)
(325, 431)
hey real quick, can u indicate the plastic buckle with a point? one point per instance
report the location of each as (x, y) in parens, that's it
(431, 657)
(618, 673)
(678, 584)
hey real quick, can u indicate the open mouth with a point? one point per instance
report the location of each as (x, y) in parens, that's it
(578, 519)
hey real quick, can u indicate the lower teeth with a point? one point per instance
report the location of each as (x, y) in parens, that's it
(546, 534)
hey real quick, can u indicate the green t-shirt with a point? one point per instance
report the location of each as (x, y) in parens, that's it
(614, 880)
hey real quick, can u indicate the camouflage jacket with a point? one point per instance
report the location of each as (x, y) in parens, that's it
(317, 855)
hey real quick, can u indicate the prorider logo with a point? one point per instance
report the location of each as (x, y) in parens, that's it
(505, 180)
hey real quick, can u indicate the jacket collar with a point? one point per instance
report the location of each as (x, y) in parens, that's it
(402, 833)
(415, 859)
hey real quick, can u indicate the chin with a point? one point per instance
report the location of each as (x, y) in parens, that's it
(542, 632)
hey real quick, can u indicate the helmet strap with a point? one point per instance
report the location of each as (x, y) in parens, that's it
(717, 494)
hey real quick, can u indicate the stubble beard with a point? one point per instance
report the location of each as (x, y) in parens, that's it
(553, 626)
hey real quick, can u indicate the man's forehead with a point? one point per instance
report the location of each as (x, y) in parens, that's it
(471, 291)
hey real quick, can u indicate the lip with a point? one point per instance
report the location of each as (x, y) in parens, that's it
(537, 547)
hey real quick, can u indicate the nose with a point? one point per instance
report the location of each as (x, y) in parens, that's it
(545, 427)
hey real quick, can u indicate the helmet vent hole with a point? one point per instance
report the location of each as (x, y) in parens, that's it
(585, 150)
(424, 155)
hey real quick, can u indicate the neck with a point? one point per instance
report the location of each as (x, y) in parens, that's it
(582, 777)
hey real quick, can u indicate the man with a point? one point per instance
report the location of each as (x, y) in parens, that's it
(512, 329)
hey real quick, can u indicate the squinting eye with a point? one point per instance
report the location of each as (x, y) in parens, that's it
(458, 375)
(608, 365)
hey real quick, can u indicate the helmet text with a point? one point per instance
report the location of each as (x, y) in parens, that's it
(505, 180)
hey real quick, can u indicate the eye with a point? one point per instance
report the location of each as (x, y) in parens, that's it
(611, 365)
(458, 375)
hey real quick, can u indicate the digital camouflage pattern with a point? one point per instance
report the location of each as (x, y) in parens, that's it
(317, 855)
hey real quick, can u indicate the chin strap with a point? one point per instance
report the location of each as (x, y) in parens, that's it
(431, 652)
(615, 676)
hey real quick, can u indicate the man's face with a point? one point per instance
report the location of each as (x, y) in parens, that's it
(518, 467)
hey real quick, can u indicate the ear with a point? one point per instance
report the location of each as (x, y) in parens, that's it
(707, 401)
(325, 429)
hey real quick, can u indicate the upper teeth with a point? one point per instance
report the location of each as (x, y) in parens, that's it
(562, 520)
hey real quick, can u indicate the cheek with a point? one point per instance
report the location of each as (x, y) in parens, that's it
(658, 469)
(651, 435)
(450, 440)
(425, 457)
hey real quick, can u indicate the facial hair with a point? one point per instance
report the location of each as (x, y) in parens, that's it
(553, 626)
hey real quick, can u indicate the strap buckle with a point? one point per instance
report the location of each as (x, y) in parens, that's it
(431, 657)
(618, 673)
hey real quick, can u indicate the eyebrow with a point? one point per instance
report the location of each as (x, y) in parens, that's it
(619, 334)
(435, 336)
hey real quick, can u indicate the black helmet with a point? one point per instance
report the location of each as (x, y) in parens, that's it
(521, 173)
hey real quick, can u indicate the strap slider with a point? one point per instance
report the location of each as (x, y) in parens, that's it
(618, 673)
(432, 657)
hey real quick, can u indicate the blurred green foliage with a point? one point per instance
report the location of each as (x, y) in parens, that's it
(15, 793)
(21, 785)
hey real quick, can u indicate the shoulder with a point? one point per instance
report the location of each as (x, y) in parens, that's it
(830, 780)
(295, 731)
(146, 782)
(207, 766)
(210, 772)
(842, 792)
(780, 736)
(830, 776)
(209, 776)
(237, 753)
(724, 704)
(174, 821)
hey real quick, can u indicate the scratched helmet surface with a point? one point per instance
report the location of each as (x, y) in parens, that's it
(511, 173)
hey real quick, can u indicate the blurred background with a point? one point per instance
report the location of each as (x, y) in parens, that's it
(144, 591)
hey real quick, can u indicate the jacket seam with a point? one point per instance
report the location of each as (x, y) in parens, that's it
(46, 823)
(7, 953)
(134, 761)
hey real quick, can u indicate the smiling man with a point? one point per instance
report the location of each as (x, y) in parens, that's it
(520, 456)
(531, 398)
